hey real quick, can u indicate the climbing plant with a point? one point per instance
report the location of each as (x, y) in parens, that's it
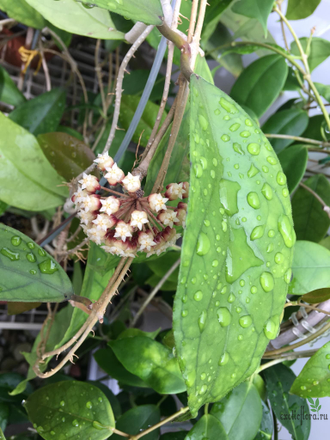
(211, 207)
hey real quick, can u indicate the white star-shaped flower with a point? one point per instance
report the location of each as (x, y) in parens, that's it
(96, 235)
(114, 175)
(110, 205)
(131, 183)
(168, 218)
(85, 217)
(175, 191)
(104, 161)
(123, 230)
(103, 222)
(89, 182)
(157, 202)
(146, 241)
(138, 219)
(91, 203)
(79, 195)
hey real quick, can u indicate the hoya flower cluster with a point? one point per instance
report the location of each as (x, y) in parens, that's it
(126, 223)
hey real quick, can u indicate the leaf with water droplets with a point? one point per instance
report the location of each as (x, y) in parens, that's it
(314, 379)
(286, 406)
(27, 272)
(208, 427)
(70, 409)
(138, 419)
(237, 248)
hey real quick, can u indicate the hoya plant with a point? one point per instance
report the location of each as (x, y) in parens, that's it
(156, 190)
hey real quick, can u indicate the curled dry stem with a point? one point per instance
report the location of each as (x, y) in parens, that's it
(96, 315)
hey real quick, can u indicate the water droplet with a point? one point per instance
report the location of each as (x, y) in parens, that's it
(198, 296)
(231, 298)
(212, 172)
(52, 432)
(270, 248)
(32, 272)
(271, 326)
(228, 196)
(76, 423)
(31, 257)
(225, 137)
(224, 359)
(286, 230)
(48, 267)
(203, 244)
(281, 178)
(98, 425)
(303, 387)
(89, 405)
(223, 290)
(203, 162)
(248, 122)
(245, 321)
(215, 263)
(234, 127)
(41, 252)
(224, 316)
(315, 382)
(203, 122)
(215, 162)
(267, 281)
(253, 200)
(279, 258)
(237, 148)
(62, 403)
(203, 389)
(224, 226)
(254, 289)
(16, 241)
(288, 276)
(285, 192)
(245, 134)
(203, 376)
(271, 233)
(202, 320)
(31, 245)
(193, 280)
(184, 313)
(198, 170)
(230, 108)
(271, 160)
(254, 149)
(257, 232)
(217, 112)
(265, 169)
(267, 191)
(207, 223)
(13, 256)
(327, 356)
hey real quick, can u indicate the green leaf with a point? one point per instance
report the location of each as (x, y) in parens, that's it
(318, 52)
(310, 221)
(66, 154)
(21, 11)
(70, 131)
(310, 268)
(77, 19)
(27, 181)
(323, 90)
(207, 427)
(128, 106)
(314, 128)
(266, 426)
(260, 83)
(4, 415)
(9, 92)
(28, 273)
(3, 208)
(164, 264)
(41, 114)
(63, 409)
(259, 9)
(135, 82)
(240, 412)
(138, 419)
(147, 11)
(2, 437)
(223, 273)
(298, 9)
(294, 163)
(291, 82)
(279, 380)
(317, 296)
(107, 360)
(292, 122)
(151, 361)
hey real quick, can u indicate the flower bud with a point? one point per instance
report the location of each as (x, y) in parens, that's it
(90, 183)
(104, 161)
(185, 186)
(175, 191)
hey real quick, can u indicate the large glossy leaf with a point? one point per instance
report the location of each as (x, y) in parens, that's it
(292, 122)
(259, 9)
(310, 221)
(27, 272)
(208, 427)
(279, 380)
(21, 11)
(314, 379)
(294, 162)
(9, 92)
(260, 83)
(147, 11)
(310, 268)
(313, 130)
(41, 114)
(27, 180)
(323, 90)
(74, 17)
(151, 361)
(298, 9)
(240, 412)
(239, 218)
(212, 15)
(4, 415)
(138, 419)
(67, 155)
(318, 52)
(66, 409)
(148, 119)
(266, 426)
(317, 296)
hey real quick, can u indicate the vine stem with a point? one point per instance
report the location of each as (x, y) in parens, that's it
(192, 23)
(154, 292)
(298, 138)
(163, 422)
(97, 314)
(270, 364)
(325, 206)
(297, 355)
(306, 306)
(310, 338)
